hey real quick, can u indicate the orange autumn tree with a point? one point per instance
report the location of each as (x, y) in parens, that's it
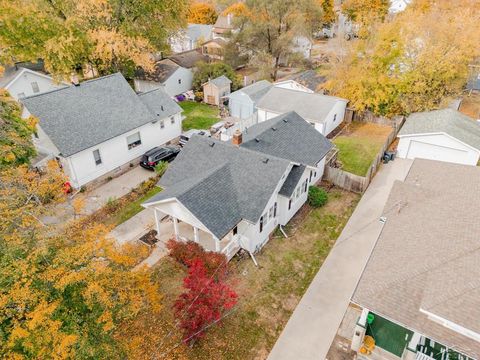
(202, 13)
(64, 291)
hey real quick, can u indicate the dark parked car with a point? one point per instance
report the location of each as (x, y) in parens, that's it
(160, 153)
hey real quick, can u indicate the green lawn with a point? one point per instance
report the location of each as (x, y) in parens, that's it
(133, 208)
(198, 115)
(359, 145)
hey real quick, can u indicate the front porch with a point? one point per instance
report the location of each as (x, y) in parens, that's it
(169, 227)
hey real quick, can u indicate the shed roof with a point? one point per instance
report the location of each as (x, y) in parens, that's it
(311, 106)
(220, 81)
(426, 257)
(449, 121)
(254, 91)
(76, 118)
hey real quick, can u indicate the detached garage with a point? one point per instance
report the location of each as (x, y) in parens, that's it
(443, 135)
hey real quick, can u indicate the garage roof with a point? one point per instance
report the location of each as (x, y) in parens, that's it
(448, 121)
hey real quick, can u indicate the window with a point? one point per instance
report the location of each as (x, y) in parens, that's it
(35, 87)
(275, 210)
(261, 224)
(21, 95)
(97, 157)
(334, 117)
(305, 186)
(172, 120)
(134, 140)
(270, 214)
(36, 135)
(179, 81)
(289, 204)
(162, 124)
(311, 173)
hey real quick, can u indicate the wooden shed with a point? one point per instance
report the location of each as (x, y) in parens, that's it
(215, 91)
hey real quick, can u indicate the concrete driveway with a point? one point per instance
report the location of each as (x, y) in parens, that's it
(314, 323)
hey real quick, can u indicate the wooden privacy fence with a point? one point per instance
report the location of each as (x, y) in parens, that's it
(356, 183)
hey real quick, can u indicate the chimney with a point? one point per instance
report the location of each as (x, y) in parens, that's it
(237, 137)
(74, 79)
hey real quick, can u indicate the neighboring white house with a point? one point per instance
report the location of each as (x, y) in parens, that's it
(397, 6)
(444, 135)
(191, 37)
(227, 196)
(97, 128)
(242, 103)
(323, 112)
(21, 82)
(292, 85)
(419, 292)
(174, 74)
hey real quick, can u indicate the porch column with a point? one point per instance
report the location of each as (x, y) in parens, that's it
(175, 226)
(411, 349)
(360, 329)
(157, 220)
(195, 234)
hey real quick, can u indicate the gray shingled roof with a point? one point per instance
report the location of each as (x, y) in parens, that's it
(449, 121)
(188, 59)
(196, 32)
(163, 70)
(288, 136)
(309, 78)
(221, 184)
(292, 180)
(312, 107)
(256, 90)
(221, 81)
(76, 118)
(428, 253)
(159, 103)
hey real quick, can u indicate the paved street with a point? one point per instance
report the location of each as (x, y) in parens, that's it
(314, 323)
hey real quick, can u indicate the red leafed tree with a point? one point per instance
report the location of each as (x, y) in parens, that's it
(206, 299)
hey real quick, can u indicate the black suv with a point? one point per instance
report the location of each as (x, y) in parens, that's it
(160, 153)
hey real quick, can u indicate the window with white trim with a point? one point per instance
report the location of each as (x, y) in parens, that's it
(162, 124)
(35, 87)
(97, 157)
(133, 140)
(172, 120)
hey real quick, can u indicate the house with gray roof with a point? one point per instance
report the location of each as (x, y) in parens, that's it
(26, 79)
(191, 37)
(323, 112)
(216, 91)
(420, 289)
(444, 135)
(242, 103)
(100, 126)
(228, 196)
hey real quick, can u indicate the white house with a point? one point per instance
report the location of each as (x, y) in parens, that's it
(173, 74)
(227, 196)
(323, 112)
(191, 37)
(242, 103)
(21, 82)
(97, 128)
(444, 135)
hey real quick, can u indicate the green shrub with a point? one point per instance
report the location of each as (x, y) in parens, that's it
(317, 197)
(161, 167)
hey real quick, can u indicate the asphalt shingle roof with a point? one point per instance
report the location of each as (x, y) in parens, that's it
(221, 183)
(256, 90)
(292, 180)
(428, 253)
(449, 121)
(163, 70)
(311, 106)
(221, 81)
(288, 136)
(309, 78)
(76, 118)
(188, 59)
(196, 32)
(159, 103)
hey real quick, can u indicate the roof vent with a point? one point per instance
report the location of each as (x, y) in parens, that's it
(257, 139)
(285, 120)
(265, 160)
(274, 128)
(161, 107)
(212, 144)
(158, 114)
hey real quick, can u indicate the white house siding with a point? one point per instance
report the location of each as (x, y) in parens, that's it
(22, 84)
(439, 147)
(179, 82)
(330, 123)
(115, 152)
(240, 105)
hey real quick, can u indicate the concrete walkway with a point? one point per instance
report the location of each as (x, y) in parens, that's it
(314, 323)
